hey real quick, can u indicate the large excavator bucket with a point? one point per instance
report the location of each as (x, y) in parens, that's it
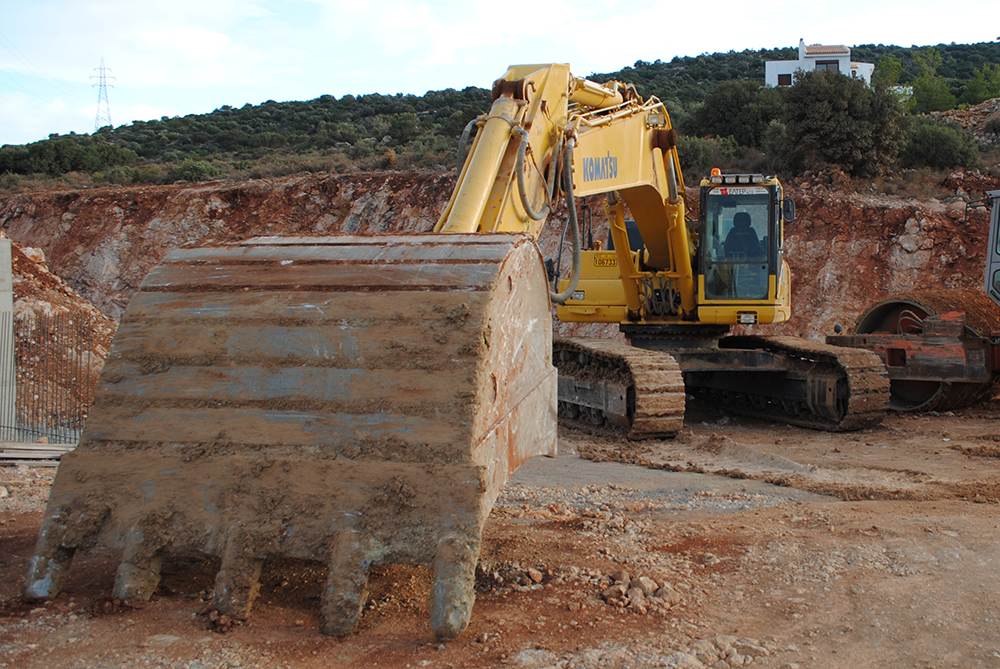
(351, 400)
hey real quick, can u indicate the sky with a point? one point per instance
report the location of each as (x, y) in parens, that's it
(194, 56)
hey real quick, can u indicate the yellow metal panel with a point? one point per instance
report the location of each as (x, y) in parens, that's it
(727, 312)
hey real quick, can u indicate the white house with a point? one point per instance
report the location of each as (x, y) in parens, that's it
(816, 57)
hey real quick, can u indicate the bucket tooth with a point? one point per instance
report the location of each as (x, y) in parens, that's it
(454, 590)
(346, 585)
(139, 572)
(48, 572)
(69, 523)
(354, 401)
(238, 581)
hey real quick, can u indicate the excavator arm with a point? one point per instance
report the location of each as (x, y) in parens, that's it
(549, 133)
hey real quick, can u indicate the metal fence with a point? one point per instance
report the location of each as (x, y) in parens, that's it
(54, 377)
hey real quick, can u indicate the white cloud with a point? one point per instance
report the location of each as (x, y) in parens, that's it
(194, 56)
(189, 43)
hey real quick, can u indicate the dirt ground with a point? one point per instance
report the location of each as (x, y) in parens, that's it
(779, 547)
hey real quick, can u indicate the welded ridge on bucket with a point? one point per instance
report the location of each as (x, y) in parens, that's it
(249, 414)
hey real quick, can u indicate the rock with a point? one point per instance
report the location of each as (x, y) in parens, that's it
(530, 658)
(683, 661)
(724, 641)
(638, 605)
(637, 601)
(621, 576)
(534, 575)
(34, 254)
(669, 596)
(646, 584)
(161, 640)
(615, 592)
(703, 647)
(3, 492)
(751, 648)
(910, 243)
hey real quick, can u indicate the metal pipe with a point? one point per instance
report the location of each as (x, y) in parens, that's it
(474, 189)
(594, 95)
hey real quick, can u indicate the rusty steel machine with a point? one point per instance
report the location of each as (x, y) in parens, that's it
(362, 400)
(941, 348)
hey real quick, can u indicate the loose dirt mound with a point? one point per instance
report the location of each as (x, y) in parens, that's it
(39, 292)
(975, 118)
(61, 341)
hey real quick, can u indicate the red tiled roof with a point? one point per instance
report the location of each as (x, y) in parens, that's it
(819, 50)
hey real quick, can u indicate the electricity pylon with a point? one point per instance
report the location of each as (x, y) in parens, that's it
(103, 107)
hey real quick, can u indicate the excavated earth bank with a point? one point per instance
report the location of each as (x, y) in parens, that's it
(737, 544)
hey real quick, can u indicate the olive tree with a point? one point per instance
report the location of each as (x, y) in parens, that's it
(831, 119)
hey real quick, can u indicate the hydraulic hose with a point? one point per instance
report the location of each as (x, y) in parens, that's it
(463, 142)
(574, 226)
(522, 189)
(672, 194)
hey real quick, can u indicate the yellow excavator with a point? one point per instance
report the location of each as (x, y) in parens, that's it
(361, 400)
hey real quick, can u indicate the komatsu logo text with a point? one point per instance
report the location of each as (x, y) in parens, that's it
(596, 169)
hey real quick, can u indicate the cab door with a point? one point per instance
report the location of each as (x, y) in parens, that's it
(992, 284)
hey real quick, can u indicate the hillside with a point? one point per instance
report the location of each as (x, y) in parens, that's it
(393, 131)
(846, 250)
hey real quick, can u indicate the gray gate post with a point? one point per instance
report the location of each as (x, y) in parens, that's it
(8, 376)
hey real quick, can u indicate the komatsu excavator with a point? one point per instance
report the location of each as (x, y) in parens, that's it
(362, 400)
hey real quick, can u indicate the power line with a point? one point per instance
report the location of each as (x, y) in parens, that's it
(103, 106)
(30, 68)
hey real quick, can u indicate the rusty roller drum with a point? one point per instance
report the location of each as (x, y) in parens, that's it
(350, 400)
(901, 312)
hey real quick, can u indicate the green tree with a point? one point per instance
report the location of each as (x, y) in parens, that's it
(833, 119)
(739, 109)
(985, 84)
(930, 91)
(887, 71)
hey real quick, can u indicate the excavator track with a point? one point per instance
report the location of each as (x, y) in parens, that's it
(351, 400)
(844, 389)
(601, 382)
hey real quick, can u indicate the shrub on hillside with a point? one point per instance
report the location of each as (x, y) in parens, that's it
(940, 144)
(698, 156)
(992, 125)
(190, 170)
(835, 120)
(739, 109)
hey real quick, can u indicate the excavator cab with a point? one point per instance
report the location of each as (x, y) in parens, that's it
(741, 263)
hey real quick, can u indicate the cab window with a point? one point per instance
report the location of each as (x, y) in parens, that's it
(735, 243)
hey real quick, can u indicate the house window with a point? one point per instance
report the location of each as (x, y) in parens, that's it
(784, 80)
(831, 65)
